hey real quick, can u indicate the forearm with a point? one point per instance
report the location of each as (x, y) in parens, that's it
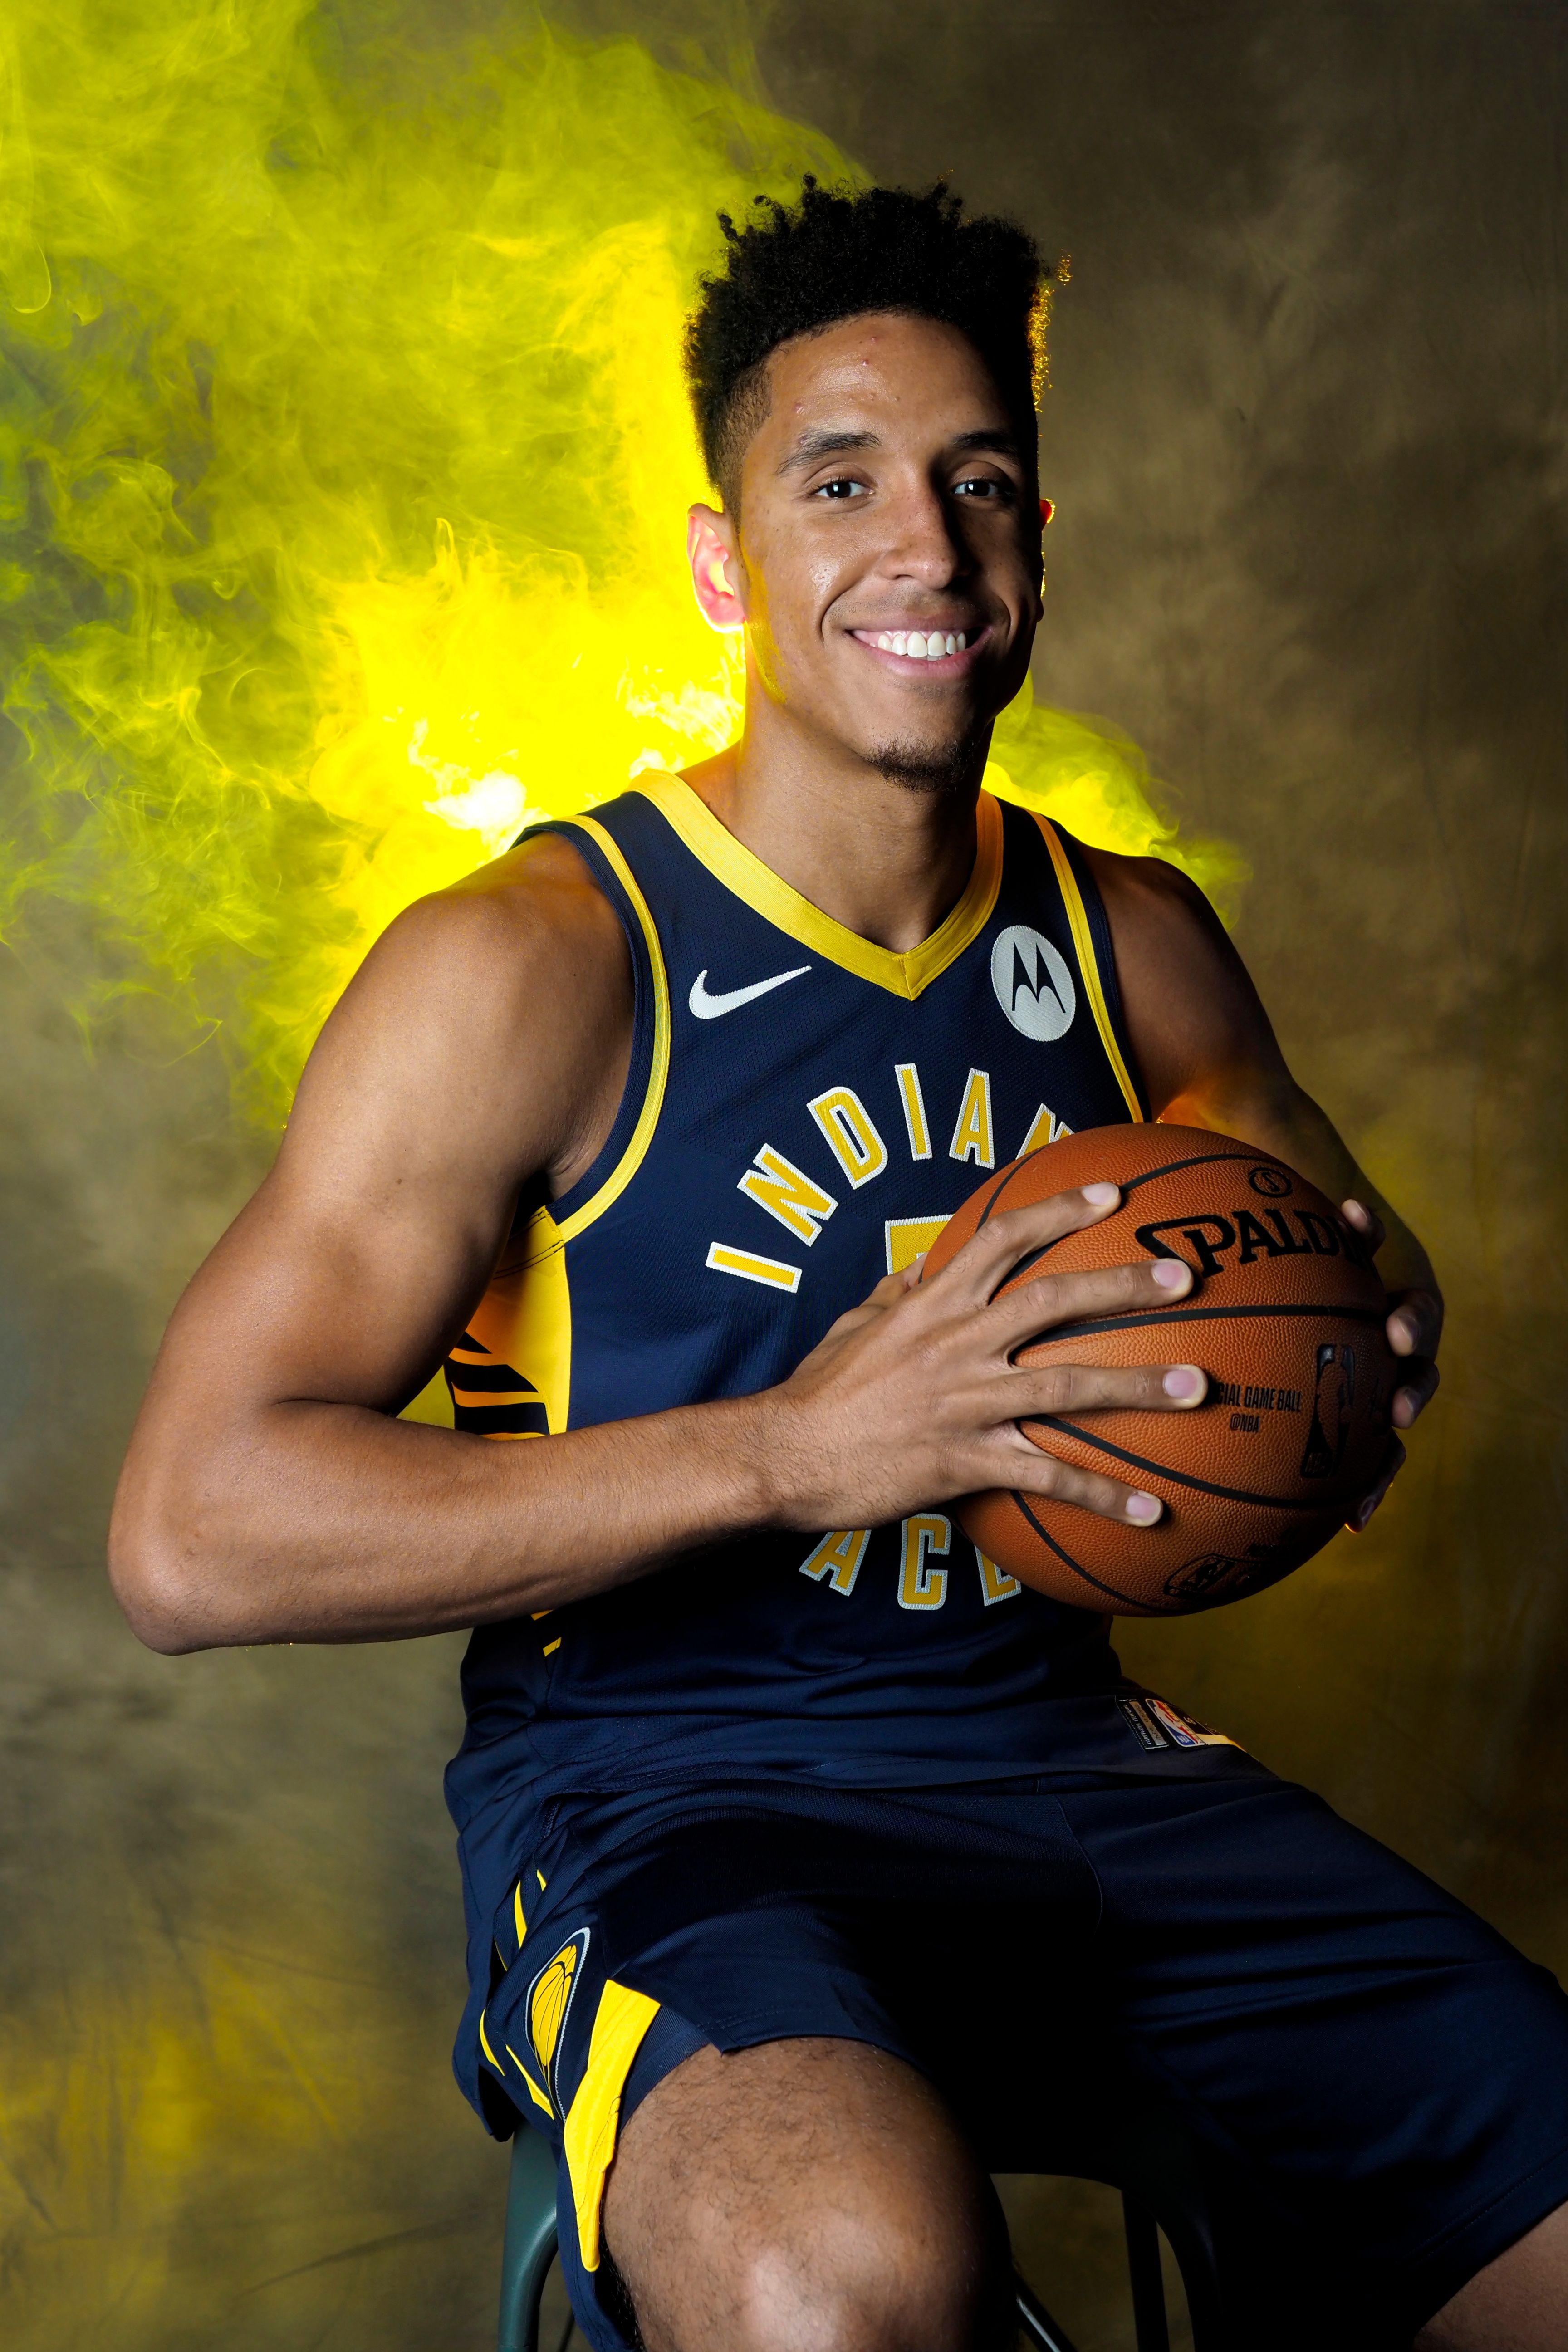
(1286, 1121)
(332, 1523)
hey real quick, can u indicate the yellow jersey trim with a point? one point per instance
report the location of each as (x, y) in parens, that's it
(768, 894)
(1088, 964)
(591, 2124)
(534, 2093)
(631, 1158)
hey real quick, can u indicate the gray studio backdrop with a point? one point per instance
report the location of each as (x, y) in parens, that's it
(1307, 439)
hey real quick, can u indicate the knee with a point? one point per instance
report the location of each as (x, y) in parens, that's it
(899, 2282)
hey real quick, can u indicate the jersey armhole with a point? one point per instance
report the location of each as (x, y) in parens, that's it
(1097, 955)
(642, 1098)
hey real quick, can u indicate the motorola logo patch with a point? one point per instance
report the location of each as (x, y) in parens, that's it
(1034, 986)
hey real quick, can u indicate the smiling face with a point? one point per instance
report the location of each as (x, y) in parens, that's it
(887, 560)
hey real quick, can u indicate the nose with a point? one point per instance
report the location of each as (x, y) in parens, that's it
(922, 543)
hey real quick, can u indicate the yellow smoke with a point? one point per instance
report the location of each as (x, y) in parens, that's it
(343, 457)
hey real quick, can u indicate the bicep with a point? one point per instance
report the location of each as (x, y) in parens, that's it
(351, 1302)
(1205, 1044)
(443, 1082)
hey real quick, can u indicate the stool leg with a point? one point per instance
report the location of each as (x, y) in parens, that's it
(1149, 2320)
(529, 2241)
(1037, 2325)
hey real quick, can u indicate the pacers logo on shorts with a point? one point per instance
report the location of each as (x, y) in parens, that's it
(549, 2004)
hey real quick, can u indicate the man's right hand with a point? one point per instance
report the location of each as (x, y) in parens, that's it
(914, 1397)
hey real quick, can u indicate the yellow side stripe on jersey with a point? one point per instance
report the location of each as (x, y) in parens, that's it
(631, 1158)
(1088, 964)
(482, 1397)
(769, 896)
(722, 1259)
(589, 2138)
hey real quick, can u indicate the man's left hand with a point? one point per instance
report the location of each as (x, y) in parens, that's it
(1414, 1326)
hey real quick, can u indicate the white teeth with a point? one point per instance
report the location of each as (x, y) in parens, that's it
(919, 644)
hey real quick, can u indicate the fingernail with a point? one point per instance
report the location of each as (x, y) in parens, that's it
(1171, 1273)
(1364, 1516)
(1102, 1196)
(1145, 1508)
(1183, 1381)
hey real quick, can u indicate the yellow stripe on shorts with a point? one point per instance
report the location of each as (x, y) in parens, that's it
(589, 2139)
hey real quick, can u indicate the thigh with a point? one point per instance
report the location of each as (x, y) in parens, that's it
(1391, 2075)
(801, 2191)
(724, 1979)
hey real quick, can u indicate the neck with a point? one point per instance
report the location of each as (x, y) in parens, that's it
(883, 859)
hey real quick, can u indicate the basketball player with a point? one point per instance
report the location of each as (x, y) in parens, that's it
(812, 1867)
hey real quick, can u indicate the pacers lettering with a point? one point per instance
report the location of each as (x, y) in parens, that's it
(1045, 1127)
(913, 1101)
(971, 1136)
(920, 1587)
(837, 1557)
(851, 1136)
(995, 1584)
(781, 1188)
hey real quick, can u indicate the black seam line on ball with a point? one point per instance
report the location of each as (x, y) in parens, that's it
(1201, 1160)
(1067, 1560)
(1001, 1183)
(1177, 1477)
(1088, 1325)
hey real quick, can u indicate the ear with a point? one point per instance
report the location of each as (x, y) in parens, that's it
(1048, 509)
(715, 561)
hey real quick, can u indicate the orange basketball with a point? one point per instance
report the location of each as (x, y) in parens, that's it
(1286, 1319)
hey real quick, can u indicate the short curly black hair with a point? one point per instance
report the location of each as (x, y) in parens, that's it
(838, 254)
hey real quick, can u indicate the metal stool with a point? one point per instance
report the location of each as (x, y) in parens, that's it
(1143, 2152)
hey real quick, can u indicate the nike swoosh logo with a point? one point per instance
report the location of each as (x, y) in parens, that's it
(712, 1008)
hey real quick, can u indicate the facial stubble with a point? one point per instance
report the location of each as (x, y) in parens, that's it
(945, 772)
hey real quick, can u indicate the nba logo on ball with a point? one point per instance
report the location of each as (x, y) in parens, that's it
(1033, 984)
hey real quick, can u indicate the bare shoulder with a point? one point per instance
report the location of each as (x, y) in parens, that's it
(499, 1011)
(1192, 1010)
(515, 919)
(1152, 903)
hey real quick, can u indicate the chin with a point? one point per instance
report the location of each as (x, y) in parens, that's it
(944, 764)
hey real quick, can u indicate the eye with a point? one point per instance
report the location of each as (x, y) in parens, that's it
(842, 486)
(983, 486)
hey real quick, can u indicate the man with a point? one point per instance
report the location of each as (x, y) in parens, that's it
(808, 1859)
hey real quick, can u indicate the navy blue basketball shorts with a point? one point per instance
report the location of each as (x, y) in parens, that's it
(1380, 2081)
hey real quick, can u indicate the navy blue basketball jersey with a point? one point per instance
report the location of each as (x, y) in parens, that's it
(804, 1111)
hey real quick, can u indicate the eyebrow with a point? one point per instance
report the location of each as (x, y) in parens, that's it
(823, 442)
(992, 436)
